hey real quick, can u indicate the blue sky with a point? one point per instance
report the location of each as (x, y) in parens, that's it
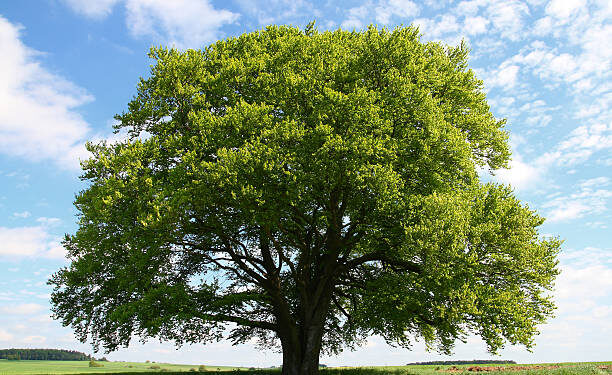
(67, 66)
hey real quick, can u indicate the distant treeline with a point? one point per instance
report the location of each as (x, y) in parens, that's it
(44, 355)
(460, 362)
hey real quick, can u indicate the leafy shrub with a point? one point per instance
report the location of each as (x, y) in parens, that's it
(202, 368)
(154, 367)
(93, 363)
(193, 369)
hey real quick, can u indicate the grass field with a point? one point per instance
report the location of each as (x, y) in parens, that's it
(82, 367)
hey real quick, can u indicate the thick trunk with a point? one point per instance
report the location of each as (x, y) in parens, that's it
(302, 340)
(302, 358)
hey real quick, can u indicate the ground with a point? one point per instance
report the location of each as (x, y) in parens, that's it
(82, 367)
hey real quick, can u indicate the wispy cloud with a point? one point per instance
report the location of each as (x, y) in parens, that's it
(22, 215)
(590, 198)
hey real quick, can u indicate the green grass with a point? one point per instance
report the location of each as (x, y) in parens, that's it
(82, 367)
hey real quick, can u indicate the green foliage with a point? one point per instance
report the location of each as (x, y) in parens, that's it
(154, 367)
(43, 354)
(93, 363)
(288, 179)
(202, 368)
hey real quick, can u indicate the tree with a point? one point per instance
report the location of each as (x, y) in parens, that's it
(307, 189)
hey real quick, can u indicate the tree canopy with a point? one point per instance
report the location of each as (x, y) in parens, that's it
(309, 189)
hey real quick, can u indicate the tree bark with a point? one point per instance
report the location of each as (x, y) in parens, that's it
(302, 357)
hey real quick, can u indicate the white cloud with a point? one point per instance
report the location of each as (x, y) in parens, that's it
(520, 175)
(22, 215)
(475, 25)
(28, 242)
(401, 9)
(469, 8)
(439, 28)
(564, 8)
(383, 11)
(507, 17)
(22, 309)
(590, 199)
(92, 8)
(49, 221)
(505, 76)
(183, 23)
(37, 108)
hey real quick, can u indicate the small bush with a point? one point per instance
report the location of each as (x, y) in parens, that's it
(93, 363)
(154, 367)
(147, 361)
(202, 368)
(193, 369)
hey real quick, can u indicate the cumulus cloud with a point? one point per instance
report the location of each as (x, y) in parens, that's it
(508, 18)
(564, 8)
(182, 23)
(29, 242)
(520, 175)
(38, 118)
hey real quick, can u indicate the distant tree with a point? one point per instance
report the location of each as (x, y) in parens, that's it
(311, 189)
(44, 354)
(463, 362)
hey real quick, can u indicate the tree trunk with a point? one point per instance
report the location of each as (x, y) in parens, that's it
(302, 358)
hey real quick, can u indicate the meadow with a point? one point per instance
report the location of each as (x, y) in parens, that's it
(82, 367)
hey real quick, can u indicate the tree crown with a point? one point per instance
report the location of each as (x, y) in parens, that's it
(302, 177)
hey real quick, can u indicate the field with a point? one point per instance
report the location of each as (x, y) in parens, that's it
(82, 367)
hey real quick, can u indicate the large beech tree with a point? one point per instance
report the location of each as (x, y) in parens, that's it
(308, 189)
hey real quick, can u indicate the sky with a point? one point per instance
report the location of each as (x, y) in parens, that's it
(68, 66)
